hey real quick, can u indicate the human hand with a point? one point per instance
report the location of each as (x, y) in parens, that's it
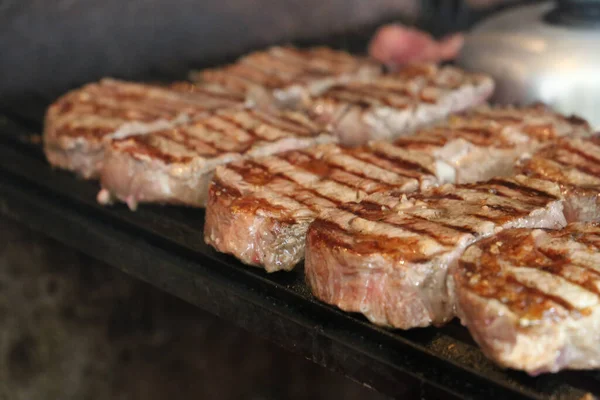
(396, 45)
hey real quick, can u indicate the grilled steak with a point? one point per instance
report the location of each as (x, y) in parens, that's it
(77, 123)
(286, 76)
(245, 216)
(575, 164)
(531, 298)
(389, 259)
(487, 141)
(394, 105)
(175, 165)
(259, 210)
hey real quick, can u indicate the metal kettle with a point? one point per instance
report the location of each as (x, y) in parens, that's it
(547, 52)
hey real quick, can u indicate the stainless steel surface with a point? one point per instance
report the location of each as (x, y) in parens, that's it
(533, 60)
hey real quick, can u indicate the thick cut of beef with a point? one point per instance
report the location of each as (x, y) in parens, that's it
(487, 141)
(531, 298)
(396, 104)
(575, 164)
(175, 165)
(78, 123)
(259, 210)
(388, 256)
(246, 217)
(287, 76)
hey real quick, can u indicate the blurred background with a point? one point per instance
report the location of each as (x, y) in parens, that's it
(49, 47)
(74, 328)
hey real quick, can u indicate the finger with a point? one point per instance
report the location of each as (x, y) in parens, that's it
(437, 51)
(395, 44)
(449, 47)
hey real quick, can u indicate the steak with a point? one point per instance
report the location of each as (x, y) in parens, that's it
(259, 210)
(487, 141)
(175, 165)
(246, 217)
(531, 298)
(389, 259)
(394, 105)
(77, 123)
(287, 76)
(575, 164)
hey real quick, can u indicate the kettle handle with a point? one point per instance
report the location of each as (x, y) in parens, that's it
(575, 13)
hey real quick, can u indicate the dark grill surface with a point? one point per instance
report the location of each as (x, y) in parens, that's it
(165, 247)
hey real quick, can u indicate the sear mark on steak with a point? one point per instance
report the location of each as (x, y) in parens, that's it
(391, 263)
(530, 298)
(77, 124)
(259, 210)
(245, 218)
(285, 77)
(574, 163)
(175, 165)
(394, 105)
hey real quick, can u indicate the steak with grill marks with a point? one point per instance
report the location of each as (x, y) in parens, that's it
(287, 76)
(259, 210)
(175, 165)
(245, 215)
(389, 258)
(531, 298)
(575, 164)
(78, 123)
(487, 141)
(395, 105)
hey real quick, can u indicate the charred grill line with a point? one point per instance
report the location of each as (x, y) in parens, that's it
(405, 164)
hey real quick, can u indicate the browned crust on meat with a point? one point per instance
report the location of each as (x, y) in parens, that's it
(580, 154)
(346, 175)
(532, 322)
(402, 167)
(175, 165)
(280, 67)
(310, 182)
(218, 133)
(77, 123)
(537, 112)
(402, 91)
(517, 247)
(67, 151)
(356, 278)
(390, 262)
(395, 105)
(251, 229)
(574, 164)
